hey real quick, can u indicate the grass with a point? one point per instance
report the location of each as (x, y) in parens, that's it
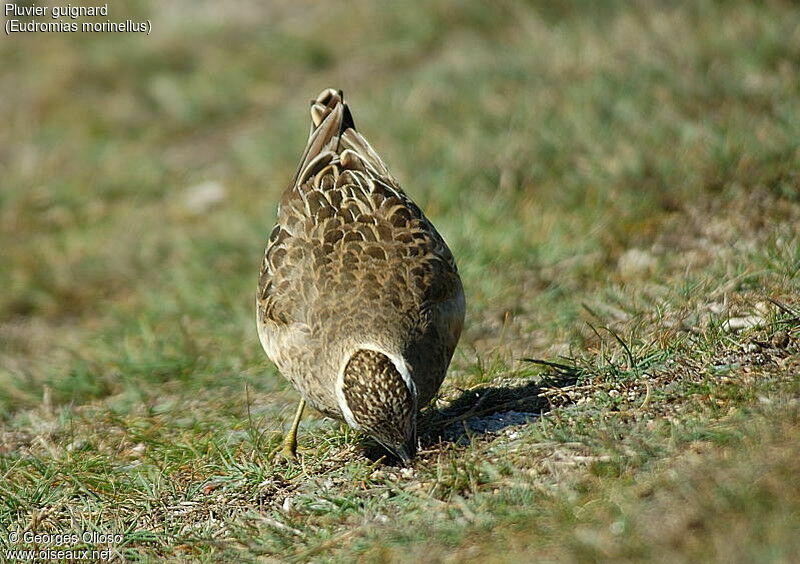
(618, 182)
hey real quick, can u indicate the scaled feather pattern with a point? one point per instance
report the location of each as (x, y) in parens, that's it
(353, 264)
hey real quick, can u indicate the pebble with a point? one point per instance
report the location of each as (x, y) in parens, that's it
(716, 308)
(407, 472)
(738, 323)
(780, 339)
(635, 263)
(201, 198)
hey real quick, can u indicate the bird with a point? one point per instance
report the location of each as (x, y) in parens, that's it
(359, 303)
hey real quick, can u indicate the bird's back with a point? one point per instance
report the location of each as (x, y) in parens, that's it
(353, 260)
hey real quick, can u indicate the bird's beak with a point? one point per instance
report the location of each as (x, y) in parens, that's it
(406, 452)
(403, 454)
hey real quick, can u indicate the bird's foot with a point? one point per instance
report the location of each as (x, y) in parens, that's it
(289, 451)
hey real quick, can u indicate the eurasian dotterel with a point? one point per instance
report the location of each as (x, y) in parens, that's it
(359, 302)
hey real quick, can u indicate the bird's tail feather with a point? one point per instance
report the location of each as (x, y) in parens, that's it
(333, 131)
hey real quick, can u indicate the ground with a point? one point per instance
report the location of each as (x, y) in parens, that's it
(619, 184)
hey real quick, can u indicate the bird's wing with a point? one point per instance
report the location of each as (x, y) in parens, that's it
(345, 216)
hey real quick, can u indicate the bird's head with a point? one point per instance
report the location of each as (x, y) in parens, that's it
(377, 396)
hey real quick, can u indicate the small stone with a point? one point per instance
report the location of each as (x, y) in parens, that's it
(763, 308)
(780, 340)
(751, 348)
(209, 488)
(716, 308)
(77, 445)
(738, 323)
(636, 263)
(617, 528)
(201, 198)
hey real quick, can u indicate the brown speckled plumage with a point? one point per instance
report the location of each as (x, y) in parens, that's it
(353, 265)
(379, 398)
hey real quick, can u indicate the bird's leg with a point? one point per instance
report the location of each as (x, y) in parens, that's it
(290, 440)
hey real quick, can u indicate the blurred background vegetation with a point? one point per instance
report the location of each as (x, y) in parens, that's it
(630, 160)
(531, 132)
